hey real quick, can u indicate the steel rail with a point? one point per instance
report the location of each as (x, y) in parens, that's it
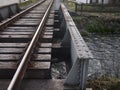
(17, 16)
(19, 74)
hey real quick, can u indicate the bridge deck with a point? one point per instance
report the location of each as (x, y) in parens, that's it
(34, 40)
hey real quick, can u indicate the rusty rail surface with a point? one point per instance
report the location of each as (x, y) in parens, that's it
(19, 74)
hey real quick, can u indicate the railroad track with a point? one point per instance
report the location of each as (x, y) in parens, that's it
(25, 44)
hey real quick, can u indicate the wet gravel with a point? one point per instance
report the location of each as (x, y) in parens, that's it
(58, 70)
(106, 52)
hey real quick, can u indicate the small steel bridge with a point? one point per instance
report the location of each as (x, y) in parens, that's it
(29, 45)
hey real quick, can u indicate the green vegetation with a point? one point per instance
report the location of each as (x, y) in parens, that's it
(97, 25)
(78, 18)
(104, 83)
(70, 4)
(103, 26)
(92, 24)
(98, 8)
(95, 10)
(27, 3)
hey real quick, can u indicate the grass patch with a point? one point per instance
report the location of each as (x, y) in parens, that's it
(99, 25)
(104, 83)
(71, 6)
(103, 26)
(95, 26)
(77, 18)
(27, 3)
(98, 8)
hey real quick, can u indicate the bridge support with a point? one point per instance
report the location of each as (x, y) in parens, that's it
(77, 75)
(80, 54)
(8, 11)
(1, 18)
(57, 4)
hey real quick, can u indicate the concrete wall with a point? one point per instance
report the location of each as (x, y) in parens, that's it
(7, 2)
(105, 1)
(100, 1)
(57, 4)
(94, 1)
(81, 1)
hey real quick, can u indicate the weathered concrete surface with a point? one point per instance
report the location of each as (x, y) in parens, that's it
(57, 4)
(42, 85)
(37, 84)
(7, 2)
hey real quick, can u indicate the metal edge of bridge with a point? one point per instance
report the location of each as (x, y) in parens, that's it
(80, 53)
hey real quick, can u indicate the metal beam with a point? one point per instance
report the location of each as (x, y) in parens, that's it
(80, 54)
